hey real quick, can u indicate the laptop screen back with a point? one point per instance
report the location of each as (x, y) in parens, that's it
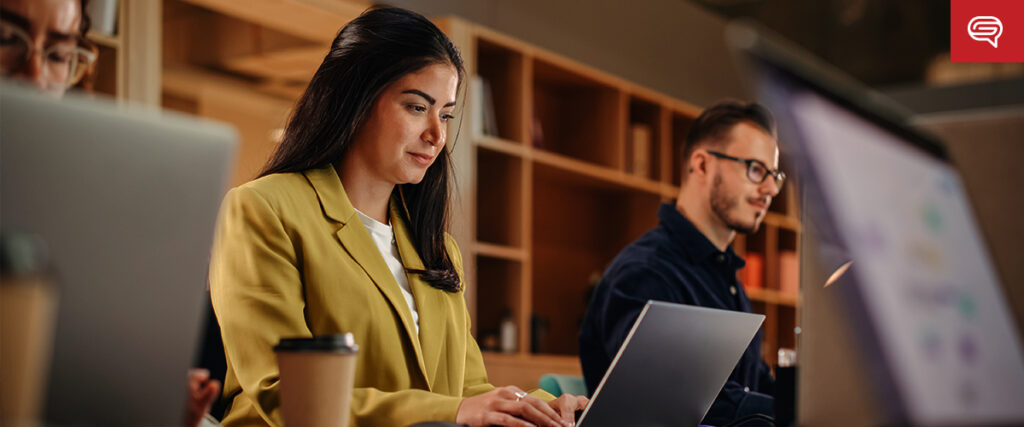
(939, 337)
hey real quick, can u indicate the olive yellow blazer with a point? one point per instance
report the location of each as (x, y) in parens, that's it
(292, 259)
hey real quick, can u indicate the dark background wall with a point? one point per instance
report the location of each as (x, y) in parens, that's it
(672, 46)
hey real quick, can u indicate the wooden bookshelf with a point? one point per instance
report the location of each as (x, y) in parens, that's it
(549, 200)
(128, 65)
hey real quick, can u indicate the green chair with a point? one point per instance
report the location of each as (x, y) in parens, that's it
(558, 384)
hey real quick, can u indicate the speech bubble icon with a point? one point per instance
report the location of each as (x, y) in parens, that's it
(985, 29)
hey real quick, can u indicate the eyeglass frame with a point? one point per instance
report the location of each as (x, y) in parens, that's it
(31, 50)
(778, 175)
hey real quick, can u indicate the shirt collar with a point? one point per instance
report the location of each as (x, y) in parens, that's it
(690, 240)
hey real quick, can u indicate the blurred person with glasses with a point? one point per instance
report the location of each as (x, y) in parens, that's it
(730, 175)
(43, 44)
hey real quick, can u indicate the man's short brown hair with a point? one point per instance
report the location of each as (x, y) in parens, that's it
(717, 120)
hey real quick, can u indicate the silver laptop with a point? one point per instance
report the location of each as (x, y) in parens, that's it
(126, 202)
(671, 366)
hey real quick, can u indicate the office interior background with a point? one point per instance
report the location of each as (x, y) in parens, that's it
(570, 136)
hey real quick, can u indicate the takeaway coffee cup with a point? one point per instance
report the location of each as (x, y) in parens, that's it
(316, 379)
(28, 315)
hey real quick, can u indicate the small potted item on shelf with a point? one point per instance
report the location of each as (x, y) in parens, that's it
(639, 153)
(508, 332)
(103, 16)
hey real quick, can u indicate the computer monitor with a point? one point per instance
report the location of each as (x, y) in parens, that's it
(921, 310)
(126, 201)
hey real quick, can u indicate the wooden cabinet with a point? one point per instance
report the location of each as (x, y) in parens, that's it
(559, 167)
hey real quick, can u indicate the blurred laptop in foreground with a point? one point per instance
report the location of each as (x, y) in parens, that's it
(917, 331)
(125, 203)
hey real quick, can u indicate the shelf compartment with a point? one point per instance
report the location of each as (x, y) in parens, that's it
(577, 116)
(573, 245)
(498, 288)
(504, 71)
(499, 198)
(789, 262)
(680, 128)
(787, 326)
(642, 152)
(106, 71)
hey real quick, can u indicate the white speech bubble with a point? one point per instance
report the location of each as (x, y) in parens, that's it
(985, 29)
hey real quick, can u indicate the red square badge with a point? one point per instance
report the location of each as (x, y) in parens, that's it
(986, 30)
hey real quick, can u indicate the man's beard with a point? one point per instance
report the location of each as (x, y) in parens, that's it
(721, 204)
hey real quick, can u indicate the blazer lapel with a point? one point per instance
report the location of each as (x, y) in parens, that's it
(431, 303)
(360, 246)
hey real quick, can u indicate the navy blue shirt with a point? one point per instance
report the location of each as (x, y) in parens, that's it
(676, 263)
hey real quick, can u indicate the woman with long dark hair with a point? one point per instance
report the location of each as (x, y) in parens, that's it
(344, 231)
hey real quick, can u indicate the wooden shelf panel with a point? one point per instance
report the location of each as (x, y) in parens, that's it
(525, 370)
(501, 145)
(491, 250)
(316, 21)
(106, 40)
(771, 296)
(580, 170)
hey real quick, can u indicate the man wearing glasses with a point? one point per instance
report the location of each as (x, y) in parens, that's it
(730, 175)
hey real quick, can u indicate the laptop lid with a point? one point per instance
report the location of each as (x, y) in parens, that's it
(126, 202)
(670, 367)
(922, 294)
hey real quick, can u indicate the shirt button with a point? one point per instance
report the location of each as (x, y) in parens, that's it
(746, 389)
(732, 290)
(720, 258)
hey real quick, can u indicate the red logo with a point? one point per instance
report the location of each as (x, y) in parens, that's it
(986, 30)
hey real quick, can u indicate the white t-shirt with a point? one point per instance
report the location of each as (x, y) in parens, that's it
(384, 236)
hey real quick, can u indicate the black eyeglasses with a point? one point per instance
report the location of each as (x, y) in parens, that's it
(757, 171)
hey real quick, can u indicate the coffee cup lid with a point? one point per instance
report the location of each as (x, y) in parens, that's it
(337, 343)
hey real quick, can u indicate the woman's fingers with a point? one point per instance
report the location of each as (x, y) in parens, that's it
(529, 412)
(567, 408)
(582, 402)
(531, 408)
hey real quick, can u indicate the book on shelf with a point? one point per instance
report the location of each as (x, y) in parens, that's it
(638, 153)
(752, 274)
(485, 121)
(536, 133)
